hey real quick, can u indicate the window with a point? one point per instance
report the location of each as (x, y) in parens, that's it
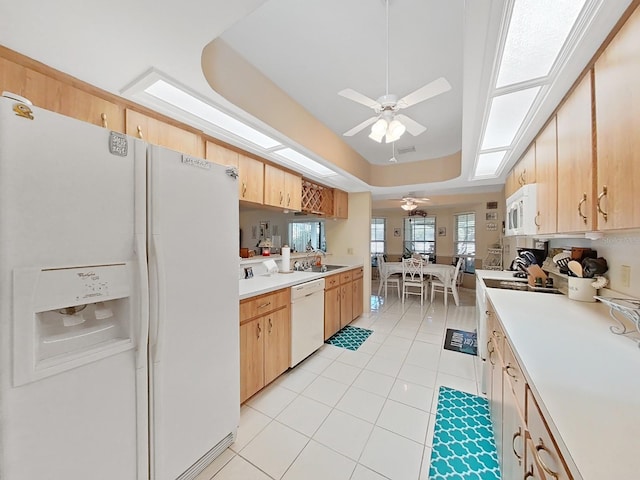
(377, 235)
(465, 240)
(304, 234)
(420, 235)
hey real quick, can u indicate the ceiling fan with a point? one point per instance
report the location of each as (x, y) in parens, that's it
(411, 203)
(387, 122)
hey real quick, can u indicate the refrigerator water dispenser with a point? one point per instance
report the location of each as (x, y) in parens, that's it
(67, 317)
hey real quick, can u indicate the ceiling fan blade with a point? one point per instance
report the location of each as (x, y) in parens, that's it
(362, 126)
(430, 90)
(359, 98)
(413, 127)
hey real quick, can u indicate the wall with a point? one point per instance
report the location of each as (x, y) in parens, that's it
(349, 238)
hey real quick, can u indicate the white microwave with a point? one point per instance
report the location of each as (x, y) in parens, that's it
(521, 212)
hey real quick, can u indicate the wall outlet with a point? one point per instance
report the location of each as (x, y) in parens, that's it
(349, 251)
(625, 276)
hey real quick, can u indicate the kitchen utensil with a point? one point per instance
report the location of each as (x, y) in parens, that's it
(536, 272)
(562, 264)
(594, 266)
(561, 256)
(576, 268)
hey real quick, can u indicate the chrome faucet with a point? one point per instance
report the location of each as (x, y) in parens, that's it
(317, 260)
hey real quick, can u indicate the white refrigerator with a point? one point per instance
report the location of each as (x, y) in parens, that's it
(118, 304)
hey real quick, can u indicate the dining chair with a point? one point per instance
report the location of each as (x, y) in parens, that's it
(413, 276)
(438, 285)
(386, 278)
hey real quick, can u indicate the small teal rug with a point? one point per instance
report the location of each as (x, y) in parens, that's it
(350, 337)
(463, 444)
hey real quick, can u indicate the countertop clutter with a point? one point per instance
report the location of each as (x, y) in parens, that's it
(262, 283)
(585, 378)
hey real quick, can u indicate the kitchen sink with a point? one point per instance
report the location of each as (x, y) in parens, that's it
(324, 268)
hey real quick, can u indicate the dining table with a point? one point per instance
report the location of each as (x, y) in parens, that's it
(443, 272)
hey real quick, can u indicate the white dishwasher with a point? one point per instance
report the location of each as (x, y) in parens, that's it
(307, 319)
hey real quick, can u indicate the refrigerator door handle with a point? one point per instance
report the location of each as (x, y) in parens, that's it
(157, 258)
(143, 335)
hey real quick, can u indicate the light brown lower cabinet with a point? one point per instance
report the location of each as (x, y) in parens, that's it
(343, 300)
(526, 447)
(332, 300)
(265, 339)
(357, 296)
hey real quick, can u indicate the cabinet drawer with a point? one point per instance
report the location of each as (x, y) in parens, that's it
(543, 447)
(513, 372)
(346, 277)
(358, 273)
(331, 281)
(252, 307)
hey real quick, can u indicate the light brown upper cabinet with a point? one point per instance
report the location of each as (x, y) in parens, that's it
(293, 191)
(576, 207)
(547, 179)
(60, 97)
(251, 179)
(157, 132)
(511, 183)
(617, 99)
(525, 169)
(340, 204)
(222, 156)
(250, 171)
(282, 189)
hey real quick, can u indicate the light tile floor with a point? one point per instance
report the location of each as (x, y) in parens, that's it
(363, 415)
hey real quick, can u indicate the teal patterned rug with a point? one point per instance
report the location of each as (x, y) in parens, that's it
(463, 444)
(350, 337)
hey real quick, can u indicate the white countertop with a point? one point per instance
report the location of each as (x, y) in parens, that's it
(586, 378)
(260, 284)
(498, 275)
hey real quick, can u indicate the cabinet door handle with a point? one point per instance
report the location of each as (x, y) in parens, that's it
(513, 443)
(103, 117)
(140, 135)
(244, 188)
(270, 325)
(584, 199)
(524, 176)
(541, 448)
(258, 330)
(490, 350)
(264, 305)
(529, 473)
(600, 197)
(510, 367)
(281, 198)
(535, 220)
(288, 199)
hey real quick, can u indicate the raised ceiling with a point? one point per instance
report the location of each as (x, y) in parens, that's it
(314, 49)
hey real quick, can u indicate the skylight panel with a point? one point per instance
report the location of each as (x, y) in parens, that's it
(489, 163)
(190, 104)
(537, 32)
(506, 116)
(297, 159)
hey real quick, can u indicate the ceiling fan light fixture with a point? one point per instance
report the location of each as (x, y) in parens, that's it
(378, 130)
(408, 206)
(395, 130)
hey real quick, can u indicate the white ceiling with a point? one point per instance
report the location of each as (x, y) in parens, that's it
(315, 48)
(311, 49)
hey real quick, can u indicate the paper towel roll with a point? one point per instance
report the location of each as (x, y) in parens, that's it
(286, 259)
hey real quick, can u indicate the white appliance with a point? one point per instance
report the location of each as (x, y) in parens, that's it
(522, 211)
(112, 367)
(307, 319)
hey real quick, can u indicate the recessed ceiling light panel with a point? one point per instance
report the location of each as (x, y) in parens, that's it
(537, 32)
(489, 163)
(506, 116)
